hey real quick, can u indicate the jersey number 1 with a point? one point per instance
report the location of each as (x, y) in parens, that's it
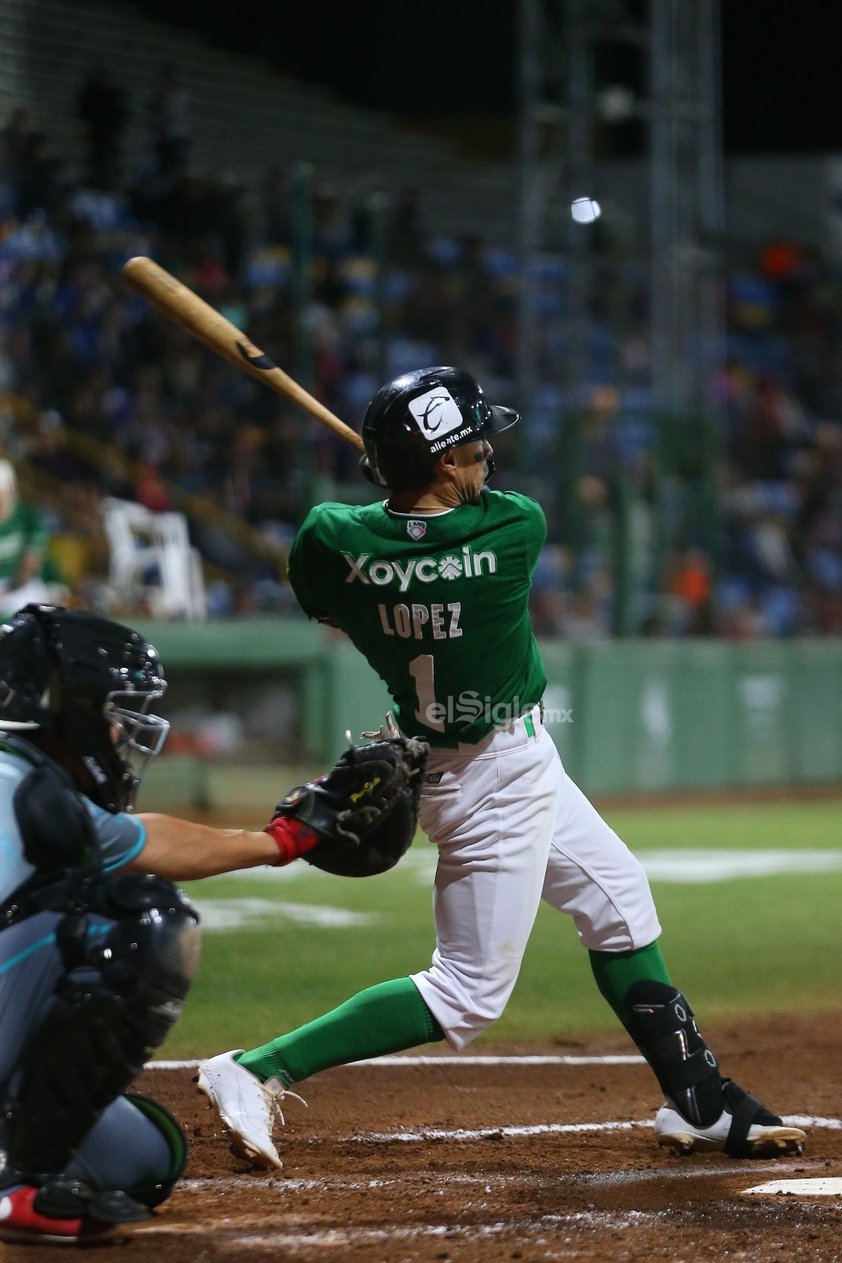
(422, 670)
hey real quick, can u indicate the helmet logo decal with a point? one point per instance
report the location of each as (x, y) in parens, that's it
(416, 529)
(436, 412)
(95, 769)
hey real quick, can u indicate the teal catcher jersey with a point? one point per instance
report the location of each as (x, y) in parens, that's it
(437, 604)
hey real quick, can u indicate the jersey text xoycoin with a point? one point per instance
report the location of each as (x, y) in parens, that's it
(466, 564)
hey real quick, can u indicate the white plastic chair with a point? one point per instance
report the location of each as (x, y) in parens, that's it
(152, 562)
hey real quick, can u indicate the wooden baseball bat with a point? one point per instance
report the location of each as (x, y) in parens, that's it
(179, 303)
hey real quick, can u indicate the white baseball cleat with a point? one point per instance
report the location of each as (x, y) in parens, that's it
(246, 1106)
(744, 1129)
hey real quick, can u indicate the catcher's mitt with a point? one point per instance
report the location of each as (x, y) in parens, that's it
(365, 810)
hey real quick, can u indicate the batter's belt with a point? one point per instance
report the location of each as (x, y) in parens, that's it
(525, 727)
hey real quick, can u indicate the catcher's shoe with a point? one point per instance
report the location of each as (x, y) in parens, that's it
(20, 1221)
(246, 1106)
(744, 1129)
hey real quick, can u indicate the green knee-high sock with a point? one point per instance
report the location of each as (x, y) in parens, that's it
(615, 972)
(383, 1019)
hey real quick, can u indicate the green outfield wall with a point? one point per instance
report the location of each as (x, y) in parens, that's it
(627, 716)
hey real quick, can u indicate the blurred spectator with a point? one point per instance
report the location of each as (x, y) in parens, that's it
(23, 538)
(150, 490)
(170, 121)
(691, 584)
(29, 173)
(15, 147)
(589, 609)
(547, 597)
(102, 105)
(406, 231)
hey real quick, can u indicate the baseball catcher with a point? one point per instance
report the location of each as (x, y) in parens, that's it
(98, 947)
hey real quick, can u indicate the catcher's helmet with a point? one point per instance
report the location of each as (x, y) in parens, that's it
(413, 419)
(90, 682)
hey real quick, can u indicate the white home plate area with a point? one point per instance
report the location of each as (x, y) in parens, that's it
(828, 1187)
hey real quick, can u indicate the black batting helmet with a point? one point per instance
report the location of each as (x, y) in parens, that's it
(413, 419)
(91, 682)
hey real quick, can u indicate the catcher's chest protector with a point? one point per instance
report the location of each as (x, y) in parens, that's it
(57, 834)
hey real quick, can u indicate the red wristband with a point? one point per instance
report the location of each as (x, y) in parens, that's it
(292, 839)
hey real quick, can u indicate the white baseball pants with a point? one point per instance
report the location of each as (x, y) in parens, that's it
(512, 828)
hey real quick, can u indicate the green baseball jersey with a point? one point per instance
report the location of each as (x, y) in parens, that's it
(22, 530)
(437, 604)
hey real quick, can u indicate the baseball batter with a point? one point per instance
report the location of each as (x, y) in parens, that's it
(432, 586)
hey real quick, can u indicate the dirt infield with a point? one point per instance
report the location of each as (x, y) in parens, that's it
(466, 1163)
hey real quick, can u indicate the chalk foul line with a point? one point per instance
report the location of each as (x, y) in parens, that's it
(546, 1129)
(631, 1059)
(488, 1181)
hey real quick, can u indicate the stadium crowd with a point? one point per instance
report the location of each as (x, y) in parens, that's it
(100, 397)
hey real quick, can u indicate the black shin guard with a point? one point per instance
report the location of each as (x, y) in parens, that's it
(68, 1195)
(157, 1188)
(662, 1026)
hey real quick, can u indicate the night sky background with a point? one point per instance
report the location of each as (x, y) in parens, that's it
(439, 59)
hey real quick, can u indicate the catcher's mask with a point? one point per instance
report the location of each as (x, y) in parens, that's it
(91, 682)
(413, 419)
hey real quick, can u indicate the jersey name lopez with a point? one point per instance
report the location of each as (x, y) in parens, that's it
(417, 621)
(464, 564)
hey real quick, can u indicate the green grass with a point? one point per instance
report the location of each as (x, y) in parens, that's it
(752, 944)
(725, 825)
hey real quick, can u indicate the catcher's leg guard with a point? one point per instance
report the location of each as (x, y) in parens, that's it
(157, 1186)
(124, 989)
(662, 1026)
(136, 1146)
